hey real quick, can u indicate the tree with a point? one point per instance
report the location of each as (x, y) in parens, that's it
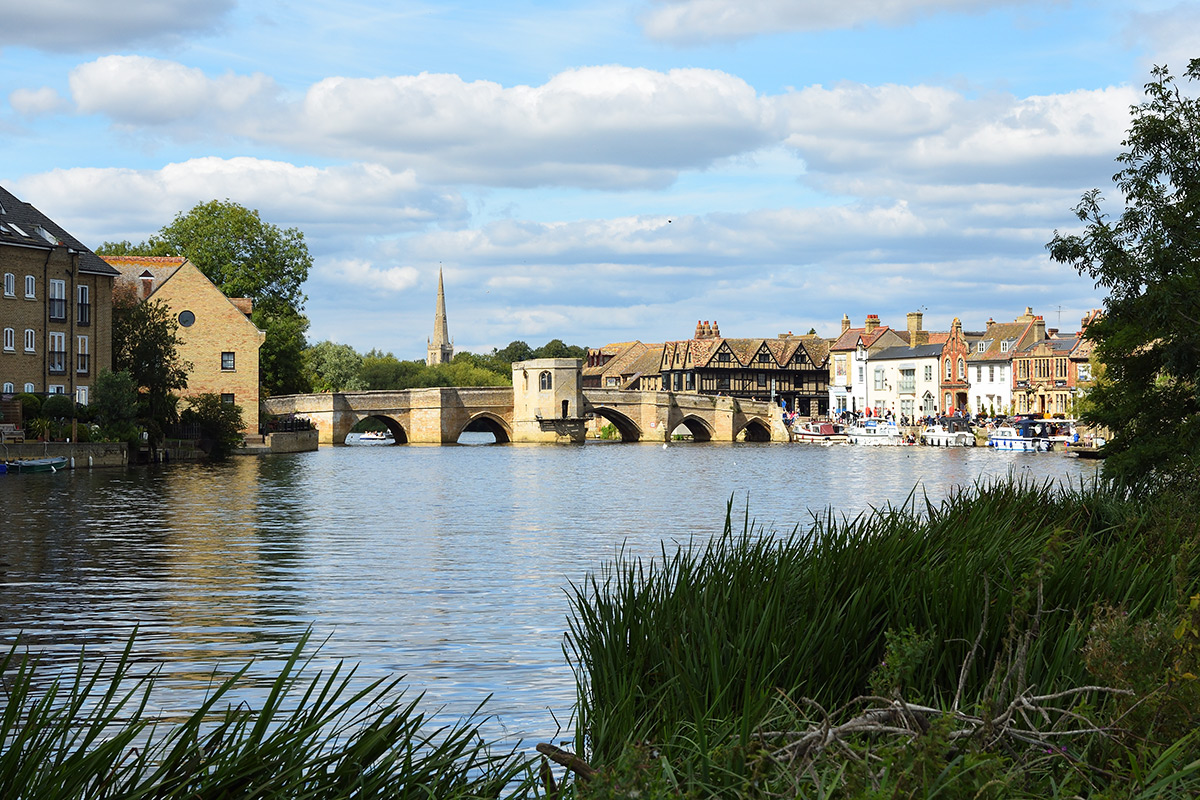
(115, 406)
(220, 423)
(332, 367)
(145, 342)
(241, 254)
(1149, 261)
(245, 257)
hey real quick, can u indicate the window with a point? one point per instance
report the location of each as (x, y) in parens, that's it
(83, 306)
(1005, 347)
(82, 356)
(723, 382)
(10, 339)
(677, 381)
(30, 340)
(908, 381)
(724, 357)
(928, 372)
(81, 395)
(762, 380)
(991, 374)
(691, 381)
(980, 347)
(1084, 372)
(962, 369)
(187, 319)
(30, 287)
(58, 300)
(10, 285)
(764, 357)
(861, 379)
(978, 374)
(57, 388)
(949, 374)
(227, 361)
(879, 377)
(1060, 368)
(545, 381)
(56, 355)
(8, 388)
(227, 398)
(30, 388)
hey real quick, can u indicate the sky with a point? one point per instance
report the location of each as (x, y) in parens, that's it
(599, 171)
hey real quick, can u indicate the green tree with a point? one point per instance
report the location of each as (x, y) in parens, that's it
(332, 367)
(114, 405)
(1149, 261)
(384, 371)
(220, 423)
(144, 344)
(241, 254)
(245, 257)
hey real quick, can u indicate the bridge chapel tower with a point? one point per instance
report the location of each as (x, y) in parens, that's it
(440, 348)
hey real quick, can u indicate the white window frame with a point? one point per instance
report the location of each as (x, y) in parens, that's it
(9, 389)
(10, 339)
(10, 285)
(30, 287)
(81, 395)
(232, 361)
(57, 388)
(30, 340)
(30, 388)
(58, 289)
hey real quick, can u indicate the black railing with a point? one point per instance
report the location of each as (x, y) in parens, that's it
(83, 313)
(285, 425)
(82, 363)
(58, 309)
(56, 361)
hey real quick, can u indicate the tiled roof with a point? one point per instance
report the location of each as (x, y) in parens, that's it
(997, 333)
(23, 225)
(131, 269)
(849, 339)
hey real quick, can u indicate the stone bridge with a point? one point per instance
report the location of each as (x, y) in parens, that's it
(441, 415)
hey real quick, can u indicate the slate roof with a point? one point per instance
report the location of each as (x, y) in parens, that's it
(900, 353)
(23, 225)
(1059, 346)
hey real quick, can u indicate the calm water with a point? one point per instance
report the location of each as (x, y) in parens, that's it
(444, 564)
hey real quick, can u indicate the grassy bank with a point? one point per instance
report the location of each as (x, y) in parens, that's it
(1014, 640)
(931, 650)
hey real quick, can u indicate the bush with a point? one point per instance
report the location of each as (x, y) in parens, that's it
(220, 423)
(58, 406)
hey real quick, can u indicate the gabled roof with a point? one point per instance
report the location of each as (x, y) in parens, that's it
(159, 269)
(22, 225)
(998, 333)
(849, 340)
(744, 352)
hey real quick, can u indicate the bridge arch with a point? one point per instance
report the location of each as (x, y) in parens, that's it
(627, 428)
(487, 422)
(700, 429)
(399, 435)
(755, 430)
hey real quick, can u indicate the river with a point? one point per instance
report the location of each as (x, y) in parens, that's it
(447, 565)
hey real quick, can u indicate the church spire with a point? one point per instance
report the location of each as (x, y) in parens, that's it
(441, 348)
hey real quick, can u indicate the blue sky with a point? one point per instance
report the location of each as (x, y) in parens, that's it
(598, 171)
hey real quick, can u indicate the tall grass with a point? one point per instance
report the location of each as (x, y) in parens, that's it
(696, 648)
(90, 735)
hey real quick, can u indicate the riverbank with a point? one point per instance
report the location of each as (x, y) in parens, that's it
(1012, 641)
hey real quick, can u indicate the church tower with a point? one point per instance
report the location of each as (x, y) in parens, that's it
(440, 348)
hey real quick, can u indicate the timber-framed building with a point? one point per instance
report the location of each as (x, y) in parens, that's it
(792, 370)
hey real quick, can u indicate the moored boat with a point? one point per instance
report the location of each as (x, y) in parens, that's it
(875, 432)
(1021, 438)
(819, 433)
(53, 464)
(948, 433)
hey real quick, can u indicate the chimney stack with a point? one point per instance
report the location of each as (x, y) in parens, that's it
(845, 322)
(916, 336)
(871, 324)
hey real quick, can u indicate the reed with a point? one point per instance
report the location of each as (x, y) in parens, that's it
(91, 735)
(979, 598)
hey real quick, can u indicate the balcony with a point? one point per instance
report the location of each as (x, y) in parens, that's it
(83, 363)
(83, 313)
(56, 362)
(58, 309)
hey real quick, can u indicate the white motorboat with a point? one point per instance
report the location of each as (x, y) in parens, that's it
(1022, 439)
(819, 433)
(875, 432)
(948, 434)
(376, 436)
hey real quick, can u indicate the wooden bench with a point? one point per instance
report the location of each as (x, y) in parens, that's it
(11, 433)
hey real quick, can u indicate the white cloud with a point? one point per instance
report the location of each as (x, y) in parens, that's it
(37, 102)
(701, 20)
(370, 278)
(605, 126)
(344, 203)
(89, 25)
(138, 90)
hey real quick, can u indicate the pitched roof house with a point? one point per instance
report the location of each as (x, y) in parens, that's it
(56, 306)
(215, 331)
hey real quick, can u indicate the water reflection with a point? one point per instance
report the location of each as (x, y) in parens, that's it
(444, 564)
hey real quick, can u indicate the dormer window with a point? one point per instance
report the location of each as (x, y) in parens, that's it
(724, 357)
(1005, 346)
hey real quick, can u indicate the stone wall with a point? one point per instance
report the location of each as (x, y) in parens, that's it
(85, 454)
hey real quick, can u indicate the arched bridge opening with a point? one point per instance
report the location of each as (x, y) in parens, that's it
(395, 431)
(482, 424)
(755, 431)
(698, 429)
(627, 429)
